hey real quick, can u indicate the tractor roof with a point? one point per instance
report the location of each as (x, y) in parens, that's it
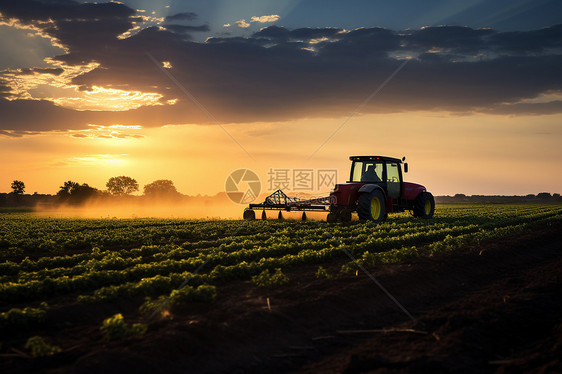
(375, 158)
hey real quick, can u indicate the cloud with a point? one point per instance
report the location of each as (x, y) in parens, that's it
(188, 16)
(28, 11)
(255, 19)
(184, 29)
(181, 29)
(454, 39)
(273, 32)
(31, 71)
(93, 160)
(108, 132)
(528, 42)
(242, 24)
(17, 134)
(274, 74)
(108, 99)
(265, 19)
(5, 89)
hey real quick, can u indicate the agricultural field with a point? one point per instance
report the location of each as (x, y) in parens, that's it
(105, 294)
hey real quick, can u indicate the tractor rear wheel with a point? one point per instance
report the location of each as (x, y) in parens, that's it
(371, 206)
(345, 215)
(249, 214)
(424, 205)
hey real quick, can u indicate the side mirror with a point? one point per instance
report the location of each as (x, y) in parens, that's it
(406, 167)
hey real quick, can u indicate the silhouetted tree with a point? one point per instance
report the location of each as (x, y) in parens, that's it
(122, 185)
(82, 192)
(76, 193)
(161, 188)
(68, 186)
(66, 189)
(18, 187)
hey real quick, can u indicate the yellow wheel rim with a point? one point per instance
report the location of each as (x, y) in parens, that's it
(427, 208)
(375, 208)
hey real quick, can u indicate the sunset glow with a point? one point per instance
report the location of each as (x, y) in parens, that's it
(474, 109)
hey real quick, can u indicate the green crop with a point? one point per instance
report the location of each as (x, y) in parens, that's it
(146, 261)
(115, 327)
(39, 348)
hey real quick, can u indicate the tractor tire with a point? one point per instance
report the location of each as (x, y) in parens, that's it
(331, 218)
(345, 216)
(249, 214)
(372, 206)
(424, 206)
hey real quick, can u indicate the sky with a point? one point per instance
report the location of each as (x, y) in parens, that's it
(470, 92)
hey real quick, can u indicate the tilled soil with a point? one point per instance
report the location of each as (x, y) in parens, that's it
(495, 308)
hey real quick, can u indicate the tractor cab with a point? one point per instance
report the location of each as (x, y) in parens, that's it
(386, 172)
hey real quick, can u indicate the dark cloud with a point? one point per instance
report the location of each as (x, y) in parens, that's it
(281, 74)
(453, 38)
(43, 115)
(307, 33)
(188, 16)
(182, 29)
(273, 32)
(552, 107)
(10, 134)
(28, 71)
(37, 115)
(28, 11)
(363, 44)
(530, 41)
(88, 40)
(4, 88)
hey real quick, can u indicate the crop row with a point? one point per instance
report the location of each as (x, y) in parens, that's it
(245, 270)
(91, 260)
(222, 266)
(22, 236)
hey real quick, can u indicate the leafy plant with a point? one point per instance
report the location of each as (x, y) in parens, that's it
(322, 273)
(266, 279)
(39, 348)
(349, 267)
(184, 295)
(115, 327)
(188, 294)
(22, 318)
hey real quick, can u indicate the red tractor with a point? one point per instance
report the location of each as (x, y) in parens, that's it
(375, 188)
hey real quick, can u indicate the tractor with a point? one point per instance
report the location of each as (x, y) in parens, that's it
(375, 189)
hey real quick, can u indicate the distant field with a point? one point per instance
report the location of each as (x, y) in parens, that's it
(51, 266)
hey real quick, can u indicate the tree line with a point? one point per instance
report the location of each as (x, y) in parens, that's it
(117, 187)
(542, 197)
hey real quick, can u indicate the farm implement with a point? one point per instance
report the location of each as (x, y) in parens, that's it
(375, 189)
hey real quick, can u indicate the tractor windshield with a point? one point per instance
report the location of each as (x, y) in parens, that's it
(367, 171)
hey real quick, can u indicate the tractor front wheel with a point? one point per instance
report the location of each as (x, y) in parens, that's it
(424, 205)
(371, 206)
